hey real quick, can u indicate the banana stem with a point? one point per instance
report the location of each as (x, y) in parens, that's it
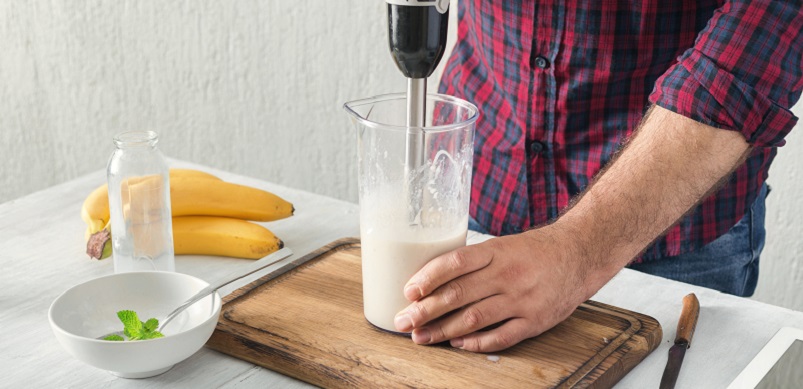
(99, 245)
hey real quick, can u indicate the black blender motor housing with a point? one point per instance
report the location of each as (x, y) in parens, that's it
(417, 38)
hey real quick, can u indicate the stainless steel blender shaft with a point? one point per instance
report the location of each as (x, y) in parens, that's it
(416, 120)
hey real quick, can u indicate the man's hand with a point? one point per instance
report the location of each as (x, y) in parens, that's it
(532, 281)
(525, 281)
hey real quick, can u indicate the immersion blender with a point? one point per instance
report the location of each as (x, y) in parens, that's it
(417, 32)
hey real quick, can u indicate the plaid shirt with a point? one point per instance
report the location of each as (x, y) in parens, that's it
(562, 84)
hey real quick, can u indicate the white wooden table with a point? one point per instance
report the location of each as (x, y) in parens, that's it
(42, 254)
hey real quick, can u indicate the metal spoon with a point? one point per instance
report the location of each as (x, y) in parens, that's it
(259, 265)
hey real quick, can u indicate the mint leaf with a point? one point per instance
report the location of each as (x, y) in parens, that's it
(151, 325)
(133, 327)
(130, 319)
(152, 335)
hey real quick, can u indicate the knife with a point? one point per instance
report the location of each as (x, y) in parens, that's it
(686, 325)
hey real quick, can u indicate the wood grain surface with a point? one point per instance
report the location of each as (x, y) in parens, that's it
(307, 322)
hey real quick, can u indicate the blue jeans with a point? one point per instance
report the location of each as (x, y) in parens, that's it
(728, 264)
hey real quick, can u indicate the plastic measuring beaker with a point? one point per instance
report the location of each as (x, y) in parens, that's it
(409, 216)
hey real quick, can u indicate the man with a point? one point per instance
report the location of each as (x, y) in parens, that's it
(698, 93)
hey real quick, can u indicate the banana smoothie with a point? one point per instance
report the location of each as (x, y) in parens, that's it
(390, 257)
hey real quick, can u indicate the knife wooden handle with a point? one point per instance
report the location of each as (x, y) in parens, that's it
(688, 319)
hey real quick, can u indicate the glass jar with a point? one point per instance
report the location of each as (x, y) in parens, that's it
(139, 204)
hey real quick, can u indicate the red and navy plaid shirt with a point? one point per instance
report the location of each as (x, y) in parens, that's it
(562, 84)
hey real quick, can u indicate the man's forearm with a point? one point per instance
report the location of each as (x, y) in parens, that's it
(671, 163)
(529, 282)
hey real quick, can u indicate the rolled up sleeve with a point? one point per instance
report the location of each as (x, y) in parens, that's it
(744, 72)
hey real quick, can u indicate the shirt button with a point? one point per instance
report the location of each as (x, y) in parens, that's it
(515, 230)
(536, 147)
(541, 62)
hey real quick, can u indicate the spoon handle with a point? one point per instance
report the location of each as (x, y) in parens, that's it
(259, 265)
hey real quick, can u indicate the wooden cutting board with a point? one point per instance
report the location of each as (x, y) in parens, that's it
(306, 321)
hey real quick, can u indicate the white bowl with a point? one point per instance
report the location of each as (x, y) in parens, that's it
(89, 310)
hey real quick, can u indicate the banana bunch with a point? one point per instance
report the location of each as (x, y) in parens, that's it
(210, 217)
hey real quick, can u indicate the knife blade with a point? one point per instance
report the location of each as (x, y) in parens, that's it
(686, 325)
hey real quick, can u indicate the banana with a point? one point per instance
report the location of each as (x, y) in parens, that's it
(206, 212)
(95, 210)
(204, 235)
(219, 198)
(210, 235)
(194, 193)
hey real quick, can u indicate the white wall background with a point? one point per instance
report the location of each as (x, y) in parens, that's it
(254, 87)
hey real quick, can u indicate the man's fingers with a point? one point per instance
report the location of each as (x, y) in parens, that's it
(444, 268)
(465, 321)
(507, 335)
(448, 297)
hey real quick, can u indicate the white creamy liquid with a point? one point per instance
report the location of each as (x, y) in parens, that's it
(390, 258)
